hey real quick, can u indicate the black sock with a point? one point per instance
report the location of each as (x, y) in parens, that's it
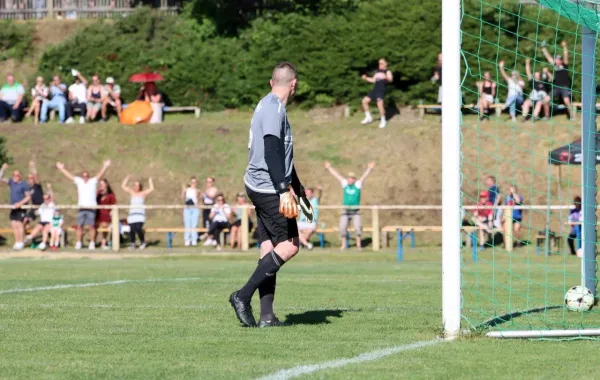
(267, 268)
(266, 291)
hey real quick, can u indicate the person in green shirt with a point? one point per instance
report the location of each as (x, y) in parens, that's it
(306, 228)
(352, 192)
(12, 100)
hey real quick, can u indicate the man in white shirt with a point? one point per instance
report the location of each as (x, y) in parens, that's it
(77, 98)
(86, 200)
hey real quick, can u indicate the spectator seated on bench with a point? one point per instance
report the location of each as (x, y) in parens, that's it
(77, 98)
(12, 100)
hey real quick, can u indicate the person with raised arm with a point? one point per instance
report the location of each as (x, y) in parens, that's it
(539, 97)
(19, 197)
(37, 195)
(562, 78)
(86, 200)
(380, 79)
(515, 85)
(352, 192)
(137, 211)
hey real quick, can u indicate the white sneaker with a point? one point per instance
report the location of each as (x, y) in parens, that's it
(368, 119)
(81, 120)
(382, 123)
(18, 246)
(42, 246)
(69, 121)
(105, 248)
(92, 246)
(208, 242)
(187, 243)
(143, 246)
(514, 119)
(309, 246)
(194, 243)
(78, 245)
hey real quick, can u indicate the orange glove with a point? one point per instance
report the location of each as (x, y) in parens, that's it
(288, 206)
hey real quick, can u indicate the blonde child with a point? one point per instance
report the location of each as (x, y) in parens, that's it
(56, 229)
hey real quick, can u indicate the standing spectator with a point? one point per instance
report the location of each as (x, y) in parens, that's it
(94, 97)
(235, 232)
(112, 98)
(191, 213)
(77, 98)
(219, 220)
(46, 212)
(515, 84)
(37, 197)
(19, 197)
(149, 93)
(39, 94)
(306, 228)
(208, 199)
(382, 77)
(352, 191)
(494, 198)
(484, 217)
(437, 77)
(539, 97)
(137, 212)
(58, 100)
(86, 200)
(515, 199)
(56, 229)
(12, 100)
(487, 94)
(575, 218)
(105, 197)
(562, 79)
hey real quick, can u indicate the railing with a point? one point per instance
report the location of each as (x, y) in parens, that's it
(371, 214)
(78, 9)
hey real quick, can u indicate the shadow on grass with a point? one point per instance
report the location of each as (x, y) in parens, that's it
(313, 317)
(497, 321)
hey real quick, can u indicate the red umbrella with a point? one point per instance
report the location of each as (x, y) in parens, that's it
(146, 77)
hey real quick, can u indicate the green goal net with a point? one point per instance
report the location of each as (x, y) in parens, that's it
(525, 101)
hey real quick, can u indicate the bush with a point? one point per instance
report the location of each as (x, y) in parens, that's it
(16, 40)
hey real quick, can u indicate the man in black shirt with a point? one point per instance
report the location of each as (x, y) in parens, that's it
(540, 89)
(37, 197)
(562, 79)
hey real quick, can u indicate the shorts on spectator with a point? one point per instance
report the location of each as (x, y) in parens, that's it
(238, 223)
(345, 221)
(57, 230)
(86, 217)
(376, 95)
(488, 98)
(43, 224)
(538, 96)
(517, 220)
(94, 106)
(17, 215)
(302, 226)
(561, 92)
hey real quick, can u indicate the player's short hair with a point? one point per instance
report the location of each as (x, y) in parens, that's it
(284, 73)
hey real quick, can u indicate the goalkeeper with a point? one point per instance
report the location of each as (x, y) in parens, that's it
(271, 183)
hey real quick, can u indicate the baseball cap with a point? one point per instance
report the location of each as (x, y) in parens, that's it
(484, 193)
(351, 175)
(110, 80)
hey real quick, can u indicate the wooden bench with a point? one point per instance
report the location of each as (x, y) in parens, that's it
(554, 244)
(424, 107)
(195, 110)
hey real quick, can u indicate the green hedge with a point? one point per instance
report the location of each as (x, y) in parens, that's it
(16, 40)
(331, 51)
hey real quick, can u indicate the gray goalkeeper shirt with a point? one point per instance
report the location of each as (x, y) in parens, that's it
(270, 118)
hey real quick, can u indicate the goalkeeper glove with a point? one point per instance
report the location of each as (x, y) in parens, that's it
(288, 206)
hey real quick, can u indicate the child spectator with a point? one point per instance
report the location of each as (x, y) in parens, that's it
(484, 216)
(105, 197)
(58, 101)
(575, 218)
(235, 230)
(437, 77)
(382, 77)
(56, 229)
(487, 94)
(191, 213)
(77, 98)
(494, 198)
(540, 88)
(306, 228)
(12, 100)
(219, 220)
(46, 212)
(39, 94)
(515, 84)
(137, 212)
(514, 199)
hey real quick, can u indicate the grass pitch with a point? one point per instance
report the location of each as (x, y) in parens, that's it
(169, 318)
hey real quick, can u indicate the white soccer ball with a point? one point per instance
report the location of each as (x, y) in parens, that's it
(579, 298)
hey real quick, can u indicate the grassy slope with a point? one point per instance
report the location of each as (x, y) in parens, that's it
(341, 305)
(407, 155)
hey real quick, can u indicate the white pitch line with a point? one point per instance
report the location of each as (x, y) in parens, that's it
(91, 284)
(285, 374)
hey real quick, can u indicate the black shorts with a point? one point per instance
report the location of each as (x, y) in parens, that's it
(43, 224)
(271, 224)
(31, 214)
(238, 223)
(376, 95)
(561, 92)
(17, 215)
